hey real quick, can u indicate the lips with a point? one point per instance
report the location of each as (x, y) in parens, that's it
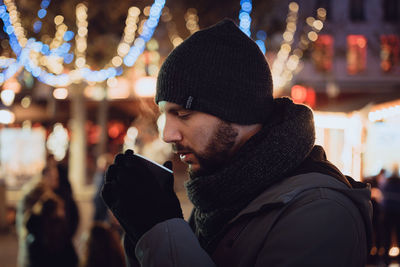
(185, 156)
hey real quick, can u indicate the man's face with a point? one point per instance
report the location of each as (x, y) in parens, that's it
(202, 141)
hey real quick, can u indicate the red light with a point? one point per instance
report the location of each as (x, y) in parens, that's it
(311, 98)
(115, 129)
(299, 93)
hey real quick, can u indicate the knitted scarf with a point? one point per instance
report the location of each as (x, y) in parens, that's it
(278, 148)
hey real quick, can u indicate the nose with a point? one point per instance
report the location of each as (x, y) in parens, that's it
(171, 132)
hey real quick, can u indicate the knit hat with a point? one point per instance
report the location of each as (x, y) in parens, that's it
(219, 71)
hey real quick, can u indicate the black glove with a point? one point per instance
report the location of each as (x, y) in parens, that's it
(137, 199)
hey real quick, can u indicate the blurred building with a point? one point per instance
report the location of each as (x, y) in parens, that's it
(351, 77)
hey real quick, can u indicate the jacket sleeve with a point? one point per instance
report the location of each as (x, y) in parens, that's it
(171, 243)
(325, 232)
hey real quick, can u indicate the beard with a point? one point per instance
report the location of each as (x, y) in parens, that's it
(216, 153)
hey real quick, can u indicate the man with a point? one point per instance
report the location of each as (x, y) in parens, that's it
(263, 194)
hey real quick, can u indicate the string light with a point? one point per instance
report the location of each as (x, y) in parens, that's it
(15, 25)
(192, 24)
(6, 62)
(81, 37)
(192, 20)
(288, 59)
(244, 16)
(57, 142)
(37, 25)
(148, 30)
(82, 71)
(26, 101)
(171, 28)
(60, 93)
(279, 74)
(18, 43)
(260, 41)
(128, 36)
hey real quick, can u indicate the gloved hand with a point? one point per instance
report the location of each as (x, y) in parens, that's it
(135, 196)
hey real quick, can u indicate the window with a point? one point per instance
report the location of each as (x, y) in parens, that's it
(356, 54)
(391, 10)
(390, 46)
(322, 54)
(357, 10)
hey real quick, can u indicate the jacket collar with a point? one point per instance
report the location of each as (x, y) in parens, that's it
(287, 189)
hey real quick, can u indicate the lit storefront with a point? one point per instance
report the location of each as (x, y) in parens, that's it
(361, 143)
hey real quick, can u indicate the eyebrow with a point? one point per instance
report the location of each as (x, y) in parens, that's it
(176, 109)
(172, 109)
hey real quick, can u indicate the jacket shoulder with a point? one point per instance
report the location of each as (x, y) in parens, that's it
(310, 215)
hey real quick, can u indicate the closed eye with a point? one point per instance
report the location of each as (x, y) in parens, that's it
(184, 115)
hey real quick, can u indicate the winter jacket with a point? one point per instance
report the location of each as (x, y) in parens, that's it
(310, 219)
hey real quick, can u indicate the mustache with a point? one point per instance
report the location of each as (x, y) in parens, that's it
(179, 147)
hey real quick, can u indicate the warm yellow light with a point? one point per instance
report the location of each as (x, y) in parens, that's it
(134, 11)
(27, 124)
(81, 46)
(292, 62)
(95, 92)
(286, 47)
(294, 7)
(291, 26)
(298, 52)
(129, 38)
(120, 91)
(313, 36)
(60, 93)
(310, 21)
(58, 19)
(288, 36)
(112, 82)
(146, 87)
(394, 252)
(146, 11)
(81, 12)
(26, 102)
(321, 12)
(317, 24)
(177, 41)
(123, 49)
(82, 31)
(152, 45)
(132, 132)
(80, 62)
(75, 75)
(116, 61)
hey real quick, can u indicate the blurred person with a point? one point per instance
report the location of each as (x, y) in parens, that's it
(103, 247)
(64, 191)
(376, 183)
(263, 193)
(48, 240)
(391, 211)
(100, 209)
(31, 193)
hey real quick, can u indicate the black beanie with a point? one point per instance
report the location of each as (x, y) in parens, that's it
(219, 71)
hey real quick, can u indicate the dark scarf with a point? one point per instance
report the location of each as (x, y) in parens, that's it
(277, 149)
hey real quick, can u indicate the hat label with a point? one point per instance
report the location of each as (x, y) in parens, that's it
(189, 102)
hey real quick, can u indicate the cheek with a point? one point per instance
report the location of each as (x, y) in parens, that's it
(200, 139)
